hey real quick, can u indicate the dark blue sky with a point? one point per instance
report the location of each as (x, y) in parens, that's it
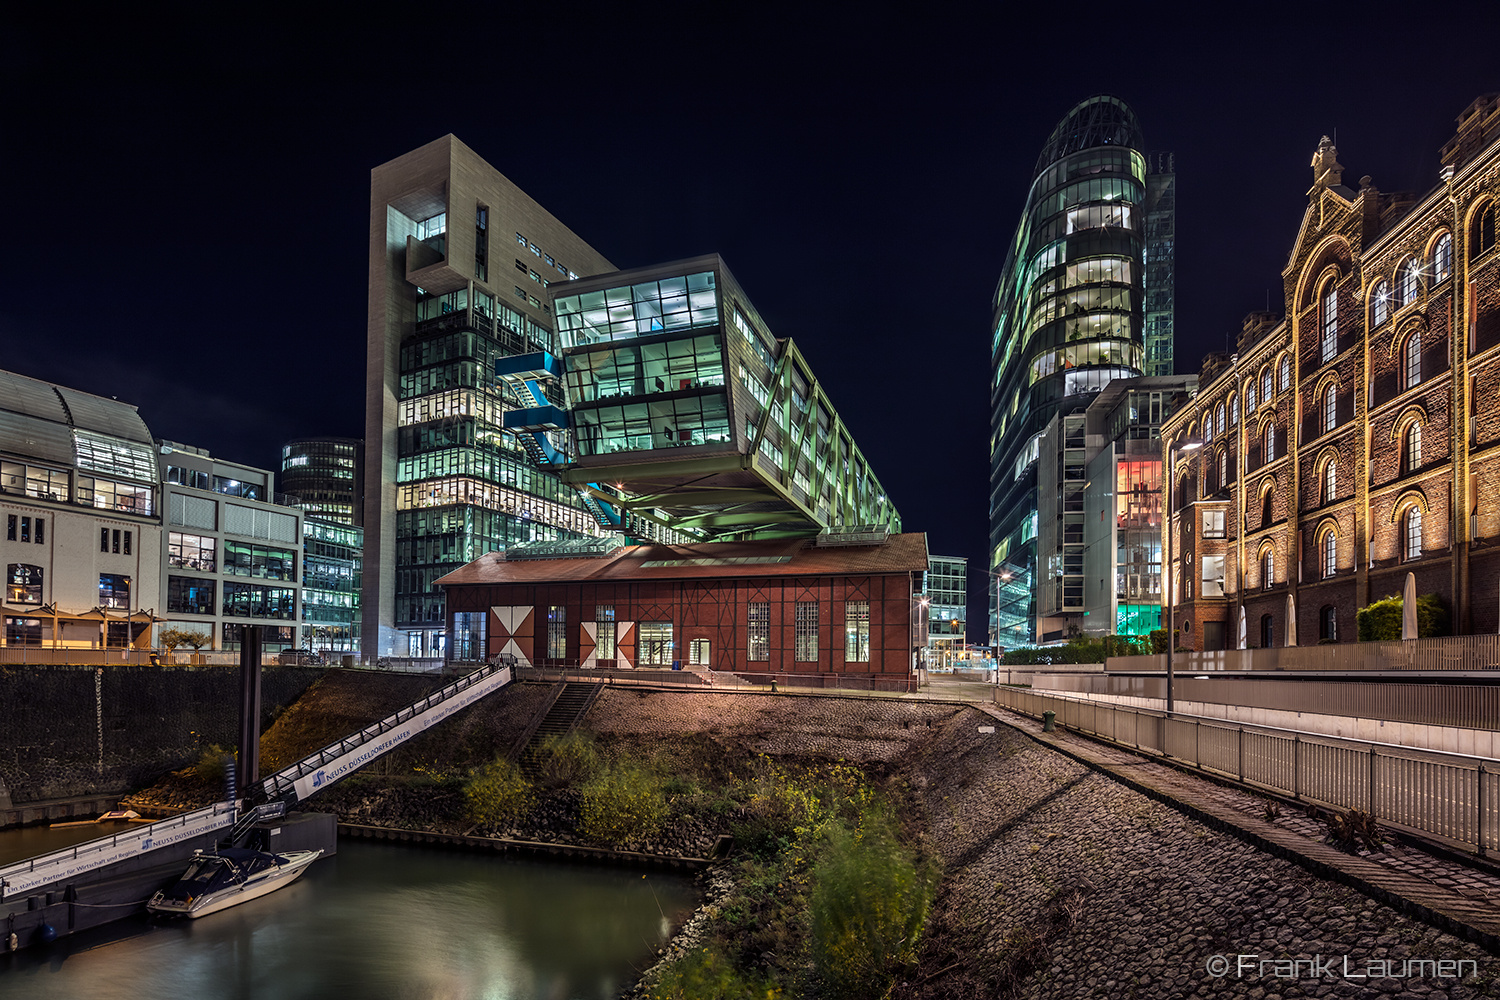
(191, 201)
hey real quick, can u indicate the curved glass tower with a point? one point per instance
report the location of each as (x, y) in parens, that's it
(1069, 318)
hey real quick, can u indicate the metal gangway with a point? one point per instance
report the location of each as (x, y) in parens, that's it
(277, 793)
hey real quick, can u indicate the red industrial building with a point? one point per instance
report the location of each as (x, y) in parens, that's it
(786, 606)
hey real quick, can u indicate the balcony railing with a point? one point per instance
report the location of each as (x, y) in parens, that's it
(1458, 652)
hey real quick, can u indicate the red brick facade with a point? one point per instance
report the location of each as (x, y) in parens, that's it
(1392, 304)
(708, 610)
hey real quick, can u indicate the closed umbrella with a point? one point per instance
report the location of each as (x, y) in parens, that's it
(1242, 627)
(1291, 621)
(1409, 607)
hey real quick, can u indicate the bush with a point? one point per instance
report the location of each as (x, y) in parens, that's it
(567, 760)
(711, 975)
(868, 903)
(212, 765)
(1382, 619)
(621, 803)
(498, 793)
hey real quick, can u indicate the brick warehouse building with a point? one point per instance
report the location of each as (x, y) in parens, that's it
(786, 606)
(1357, 438)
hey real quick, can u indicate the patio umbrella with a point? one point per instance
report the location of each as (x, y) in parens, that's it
(1242, 627)
(1291, 621)
(1409, 607)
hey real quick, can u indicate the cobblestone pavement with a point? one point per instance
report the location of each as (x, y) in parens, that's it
(1063, 882)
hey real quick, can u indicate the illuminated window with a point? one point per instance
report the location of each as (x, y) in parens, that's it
(1411, 448)
(1330, 480)
(1330, 342)
(1267, 568)
(758, 630)
(604, 638)
(114, 591)
(1411, 361)
(807, 631)
(1411, 533)
(557, 632)
(1330, 408)
(1265, 384)
(1222, 461)
(1483, 240)
(1380, 305)
(1285, 373)
(1328, 549)
(1213, 524)
(23, 584)
(1234, 411)
(1219, 420)
(1212, 577)
(1270, 442)
(1250, 397)
(655, 643)
(1442, 258)
(1406, 289)
(857, 631)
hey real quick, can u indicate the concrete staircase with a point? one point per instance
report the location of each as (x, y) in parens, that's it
(569, 703)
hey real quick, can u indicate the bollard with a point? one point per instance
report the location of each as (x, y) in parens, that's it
(773, 685)
(1049, 720)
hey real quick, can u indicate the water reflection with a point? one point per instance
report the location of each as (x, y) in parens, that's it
(384, 921)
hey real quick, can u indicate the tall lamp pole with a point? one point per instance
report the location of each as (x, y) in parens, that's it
(1169, 527)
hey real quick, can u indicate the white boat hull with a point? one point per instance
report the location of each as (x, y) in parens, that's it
(259, 885)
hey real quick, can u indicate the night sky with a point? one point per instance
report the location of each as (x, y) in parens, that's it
(191, 204)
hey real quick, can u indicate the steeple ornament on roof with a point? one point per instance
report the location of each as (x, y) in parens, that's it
(1327, 170)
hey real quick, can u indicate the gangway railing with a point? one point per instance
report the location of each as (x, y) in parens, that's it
(317, 771)
(27, 876)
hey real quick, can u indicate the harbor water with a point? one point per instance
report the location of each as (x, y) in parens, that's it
(378, 920)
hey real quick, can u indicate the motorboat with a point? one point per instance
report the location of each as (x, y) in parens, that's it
(231, 876)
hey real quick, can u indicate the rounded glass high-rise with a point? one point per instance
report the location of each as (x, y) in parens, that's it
(1069, 318)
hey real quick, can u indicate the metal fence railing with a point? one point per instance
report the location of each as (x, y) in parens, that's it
(1455, 652)
(1449, 795)
(721, 679)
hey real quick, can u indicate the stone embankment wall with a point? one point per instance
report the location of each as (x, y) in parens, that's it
(82, 731)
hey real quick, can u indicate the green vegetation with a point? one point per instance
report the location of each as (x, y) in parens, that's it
(565, 761)
(171, 638)
(828, 901)
(1083, 649)
(498, 794)
(1382, 619)
(212, 765)
(622, 802)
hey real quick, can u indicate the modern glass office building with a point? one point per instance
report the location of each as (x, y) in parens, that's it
(325, 477)
(1070, 316)
(443, 483)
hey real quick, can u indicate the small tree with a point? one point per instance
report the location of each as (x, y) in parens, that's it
(171, 638)
(1382, 619)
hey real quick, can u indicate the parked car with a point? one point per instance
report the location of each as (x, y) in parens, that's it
(300, 658)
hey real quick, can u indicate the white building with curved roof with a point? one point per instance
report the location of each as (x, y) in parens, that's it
(80, 498)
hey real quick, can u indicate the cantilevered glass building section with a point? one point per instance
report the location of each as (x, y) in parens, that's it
(686, 411)
(1069, 318)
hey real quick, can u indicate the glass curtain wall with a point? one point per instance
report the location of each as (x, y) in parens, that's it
(1068, 319)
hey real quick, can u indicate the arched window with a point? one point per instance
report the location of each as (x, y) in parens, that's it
(1411, 533)
(1266, 506)
(1328, 623)
(1234, 411)
(1265, 384)
(1484, 232)
(1442, 258)
(1219, 419)
(1249, 396)
(1285, 376)
(1411, 360)
(1267, 632)
(1380, 304)
(1330, 408)
(1270, 442)
(1330, 480)
(1330, 341)
(1267, 568)
(1328, 552)
(1406, 287)
(1222, 460)
(1411, 448)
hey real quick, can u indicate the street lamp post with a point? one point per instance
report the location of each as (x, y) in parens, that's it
(1169, 578)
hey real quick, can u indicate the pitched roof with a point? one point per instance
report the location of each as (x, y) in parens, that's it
(905, 553)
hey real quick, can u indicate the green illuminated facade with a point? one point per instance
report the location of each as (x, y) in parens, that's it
(1070, 317)
(678, 391)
